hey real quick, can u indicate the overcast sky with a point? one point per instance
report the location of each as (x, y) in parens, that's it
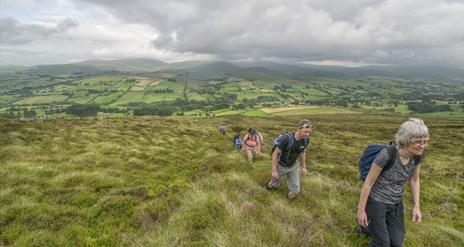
(340, 32)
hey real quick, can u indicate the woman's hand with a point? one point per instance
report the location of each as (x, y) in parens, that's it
(362, 218)
(416, 215)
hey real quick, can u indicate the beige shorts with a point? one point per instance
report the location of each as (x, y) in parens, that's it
(293, 177)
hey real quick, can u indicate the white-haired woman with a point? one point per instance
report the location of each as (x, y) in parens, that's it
(380, 208)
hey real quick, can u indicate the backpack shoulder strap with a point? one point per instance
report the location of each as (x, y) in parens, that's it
(418, 159)
(289, 140)
(391, 156)
(306, 142)
(252, 137)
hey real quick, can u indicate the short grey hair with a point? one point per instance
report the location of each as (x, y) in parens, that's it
(413, 127)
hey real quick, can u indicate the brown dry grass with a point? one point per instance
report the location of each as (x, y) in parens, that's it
(142, 84)
(287, 108)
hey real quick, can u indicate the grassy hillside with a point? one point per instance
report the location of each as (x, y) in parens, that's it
(177, 182)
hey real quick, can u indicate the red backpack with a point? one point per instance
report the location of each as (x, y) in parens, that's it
(251, 140)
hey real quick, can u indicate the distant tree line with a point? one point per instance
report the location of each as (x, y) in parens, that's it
(428, 107)
(267, 98)
(14, 113)
(282, 87)
(87, 110)
(162, 90)
(83, 110)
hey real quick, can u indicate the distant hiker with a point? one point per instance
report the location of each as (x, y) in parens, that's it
(251, 144)
(380, 208)
(222, 129)
(238, 141)
(288, 156)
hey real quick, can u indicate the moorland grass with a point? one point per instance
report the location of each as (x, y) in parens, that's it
(177, 182)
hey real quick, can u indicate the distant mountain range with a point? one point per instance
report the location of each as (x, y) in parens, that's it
(256, 70)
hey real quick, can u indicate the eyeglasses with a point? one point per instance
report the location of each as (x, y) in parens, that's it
(307, 127)
(417, 142)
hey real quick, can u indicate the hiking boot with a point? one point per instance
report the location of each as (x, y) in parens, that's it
(268, 186)
(292, 195)
(273, 184)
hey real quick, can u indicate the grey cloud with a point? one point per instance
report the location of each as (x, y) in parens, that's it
(66, 25)
(164, 42)
(370, 31)
(16, 32)
(381, 31)
(27, 5)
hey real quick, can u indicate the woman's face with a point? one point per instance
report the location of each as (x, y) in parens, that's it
(417, 145)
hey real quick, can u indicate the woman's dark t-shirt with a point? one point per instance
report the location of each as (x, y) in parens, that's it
(389, 187)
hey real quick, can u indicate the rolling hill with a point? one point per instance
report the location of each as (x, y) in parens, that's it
(207, 68)
(150, 87)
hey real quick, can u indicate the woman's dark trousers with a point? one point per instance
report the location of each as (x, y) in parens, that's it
(386, 223)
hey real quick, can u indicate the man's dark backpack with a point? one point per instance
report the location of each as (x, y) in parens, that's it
(276, 143)
(290, 139)
(371, 152)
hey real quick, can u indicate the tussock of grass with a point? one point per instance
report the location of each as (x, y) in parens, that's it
(177, 182)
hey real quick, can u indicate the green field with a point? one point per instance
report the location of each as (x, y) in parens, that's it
(227, 112)
(197, 96)
(107, 98)
(314, 93)
(44, 99)
(315, 110)
(8, 99)
(129, 97)
(180, 89)
(254, 113)
(157, 97)
(147, 181)
(81, 97)
(177, 87)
